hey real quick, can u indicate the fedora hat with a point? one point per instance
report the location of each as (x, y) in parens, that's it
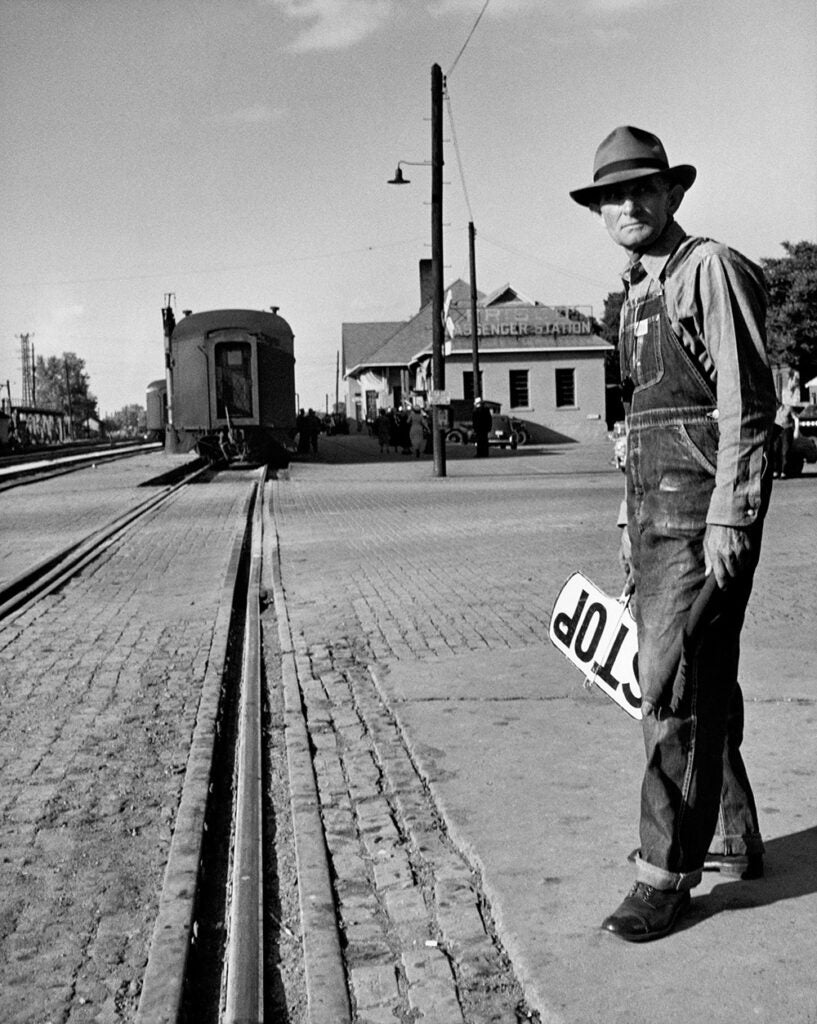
(626, 154)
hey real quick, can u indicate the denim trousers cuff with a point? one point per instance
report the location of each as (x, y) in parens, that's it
(737, 846)
(659, 878)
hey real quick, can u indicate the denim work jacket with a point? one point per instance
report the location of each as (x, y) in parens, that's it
(716, 304)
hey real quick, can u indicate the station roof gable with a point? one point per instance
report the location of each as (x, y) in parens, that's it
(411, 341)
(360, 340)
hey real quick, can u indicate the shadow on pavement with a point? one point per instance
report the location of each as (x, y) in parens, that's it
(789, 875)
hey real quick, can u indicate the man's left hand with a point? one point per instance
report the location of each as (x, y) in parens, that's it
(728, 550)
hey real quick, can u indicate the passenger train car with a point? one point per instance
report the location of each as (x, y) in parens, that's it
(156, 405)
(230, 384)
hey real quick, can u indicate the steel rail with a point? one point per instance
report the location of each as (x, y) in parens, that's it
(57, 569)
(44, 468)
(165, 985)
(244, 1002)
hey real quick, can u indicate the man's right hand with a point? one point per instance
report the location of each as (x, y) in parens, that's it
(625, 556)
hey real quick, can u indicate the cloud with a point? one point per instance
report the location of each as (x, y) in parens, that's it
(340, 24)
(249, 117)
(620, 6)
(335, 24)
(509, 8)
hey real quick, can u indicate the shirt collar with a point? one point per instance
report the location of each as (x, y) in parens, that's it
(655, 259)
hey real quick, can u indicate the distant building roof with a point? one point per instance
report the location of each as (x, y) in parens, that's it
(360, 340)
(508, 321)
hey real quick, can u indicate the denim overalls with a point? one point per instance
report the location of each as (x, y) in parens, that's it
(695, 795)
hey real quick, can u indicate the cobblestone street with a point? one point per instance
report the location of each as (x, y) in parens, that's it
(477, 802)
(411, 569)
(397, 586)
(100, 686)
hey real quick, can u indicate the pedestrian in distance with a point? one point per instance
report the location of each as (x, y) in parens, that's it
(394, 430)
(700, 404)
(403, 437)
(302, 432)
(313, 429)
(784, 439)
(382, 429)
(481, 422)
(417, 430)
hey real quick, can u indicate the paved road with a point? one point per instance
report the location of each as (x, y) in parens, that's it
(460, 760)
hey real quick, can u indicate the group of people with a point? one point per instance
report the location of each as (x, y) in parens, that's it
(407, 430)
(307, 429)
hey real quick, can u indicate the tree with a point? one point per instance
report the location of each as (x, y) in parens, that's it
(61, 383)
(792, 318)
(129, 420)
(609, 321)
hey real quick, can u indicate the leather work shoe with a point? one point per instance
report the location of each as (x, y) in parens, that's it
(735, 865)
(646, 913)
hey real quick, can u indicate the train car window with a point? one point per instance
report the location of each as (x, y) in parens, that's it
(234, 380)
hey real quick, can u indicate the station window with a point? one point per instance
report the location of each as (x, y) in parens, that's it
(234, 380)
(565, 388)
(468, 384)
(518, 387)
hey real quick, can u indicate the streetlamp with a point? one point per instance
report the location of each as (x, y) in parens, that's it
(437, 361)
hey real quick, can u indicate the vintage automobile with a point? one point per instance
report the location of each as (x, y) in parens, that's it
(804, 445)
(619, 439)
(506, 432)
(502, 432)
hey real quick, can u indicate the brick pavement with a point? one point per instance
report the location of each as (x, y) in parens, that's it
(100, 686)
(42, 518)
(383, 565)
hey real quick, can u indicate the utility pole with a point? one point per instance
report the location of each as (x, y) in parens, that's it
(68, 394)
(27, 367)
(437, 363)
(168, 326)
(472, 260)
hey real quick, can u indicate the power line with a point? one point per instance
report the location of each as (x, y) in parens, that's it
(468, 40)
(457, 152)
(215, 270)
(544, 263)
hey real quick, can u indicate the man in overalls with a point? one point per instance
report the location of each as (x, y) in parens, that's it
(700, 405)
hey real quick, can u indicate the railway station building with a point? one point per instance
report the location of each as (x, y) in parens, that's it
(543, 365)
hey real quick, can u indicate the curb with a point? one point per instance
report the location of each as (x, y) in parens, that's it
(326, 982)
(163, 983)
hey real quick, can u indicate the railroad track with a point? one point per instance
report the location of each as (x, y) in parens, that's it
(199, 970)
(53, 572)
(33, 467)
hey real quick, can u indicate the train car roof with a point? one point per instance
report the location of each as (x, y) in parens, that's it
(255, 321)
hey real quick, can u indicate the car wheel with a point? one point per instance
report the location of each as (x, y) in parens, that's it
(521, 435)
(794, 465)
(454, 437)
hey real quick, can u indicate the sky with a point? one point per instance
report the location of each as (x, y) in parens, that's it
(235, 153)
